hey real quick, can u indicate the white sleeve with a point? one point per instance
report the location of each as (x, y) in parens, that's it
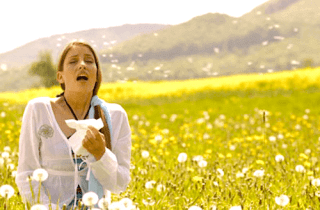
(113, 169)
(29, 148)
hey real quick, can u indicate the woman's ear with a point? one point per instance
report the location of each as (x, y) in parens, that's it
(60, 77)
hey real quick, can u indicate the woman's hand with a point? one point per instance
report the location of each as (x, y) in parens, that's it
(94, 142)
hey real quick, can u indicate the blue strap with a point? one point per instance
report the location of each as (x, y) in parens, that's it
(94, 185)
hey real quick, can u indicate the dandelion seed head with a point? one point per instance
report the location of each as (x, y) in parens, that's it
(116, 206)
(103, 203)
(258, 173)
(282, 200)
(6, 191)
(90, 198)
(300, 169)
(272, 138)
(14, 173)
(40, 174)
(39, 207)
(307, 151)
(127, 202)
(220, 172)
(145, 154)
(5, 155)
(239, 175)
(316, 182)
(148, 202)
(279, 158)
(150, 184)
(280, 136)
(161, 188)
(182, 157)
(202, 164)
(236, 208)
(245, 170)
(197, 158)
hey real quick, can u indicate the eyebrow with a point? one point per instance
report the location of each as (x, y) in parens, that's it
(86, 55)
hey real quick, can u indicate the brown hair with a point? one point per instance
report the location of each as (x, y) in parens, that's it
(63, 57)
(98, 112)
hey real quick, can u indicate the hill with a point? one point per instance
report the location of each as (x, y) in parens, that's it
(101, 38)
(276, 35)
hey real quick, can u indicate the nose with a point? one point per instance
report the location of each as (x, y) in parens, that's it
(82, 65)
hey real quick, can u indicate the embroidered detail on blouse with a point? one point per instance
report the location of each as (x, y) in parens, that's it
(46, 131)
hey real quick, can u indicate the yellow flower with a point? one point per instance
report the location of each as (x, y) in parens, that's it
(209, 151)
(197, 179)
(155, 159)
(307, 164)
(229, 155)
(310, 173)
(220, 155)
(304, 156)
(260, 162)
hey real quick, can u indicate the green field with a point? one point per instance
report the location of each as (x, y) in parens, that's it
(219, 120)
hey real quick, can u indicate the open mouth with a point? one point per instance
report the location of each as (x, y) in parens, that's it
(82, 78)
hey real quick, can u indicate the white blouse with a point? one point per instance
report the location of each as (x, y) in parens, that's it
(44, 145)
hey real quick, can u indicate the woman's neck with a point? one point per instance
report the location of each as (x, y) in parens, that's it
(79, 102)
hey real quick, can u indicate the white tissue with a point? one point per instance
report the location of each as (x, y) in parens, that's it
(81, 127)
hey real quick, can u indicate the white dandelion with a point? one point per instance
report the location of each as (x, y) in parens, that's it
(272, 138)
(236, 208)
(316, 182)
(14, 173)
(282, 200)
(239, 175)
(116, 206)
(197, 158)
(40, 174)
(161, 188)
(245, 170)
(202, 164)
(220, 172)
(279, 158)
(127, 202)
(90, 198)
(150, 184)
(194, 208)
(6, 191)
(300, 169)
(5, 155)
(258, 173)
(148, 202)
(182, 157)
(103, 203)
(145, 154)
(7, 149)
(39, 207)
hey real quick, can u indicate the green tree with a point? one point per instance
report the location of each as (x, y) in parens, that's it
(45, 69)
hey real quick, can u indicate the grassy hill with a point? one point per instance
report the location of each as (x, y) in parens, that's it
(101, 38)
(276, 35)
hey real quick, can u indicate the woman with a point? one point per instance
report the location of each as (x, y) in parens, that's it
(44, 136)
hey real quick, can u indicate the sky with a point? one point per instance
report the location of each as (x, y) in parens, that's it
(23, 21)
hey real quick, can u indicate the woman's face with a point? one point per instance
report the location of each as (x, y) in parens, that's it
(79, 70)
